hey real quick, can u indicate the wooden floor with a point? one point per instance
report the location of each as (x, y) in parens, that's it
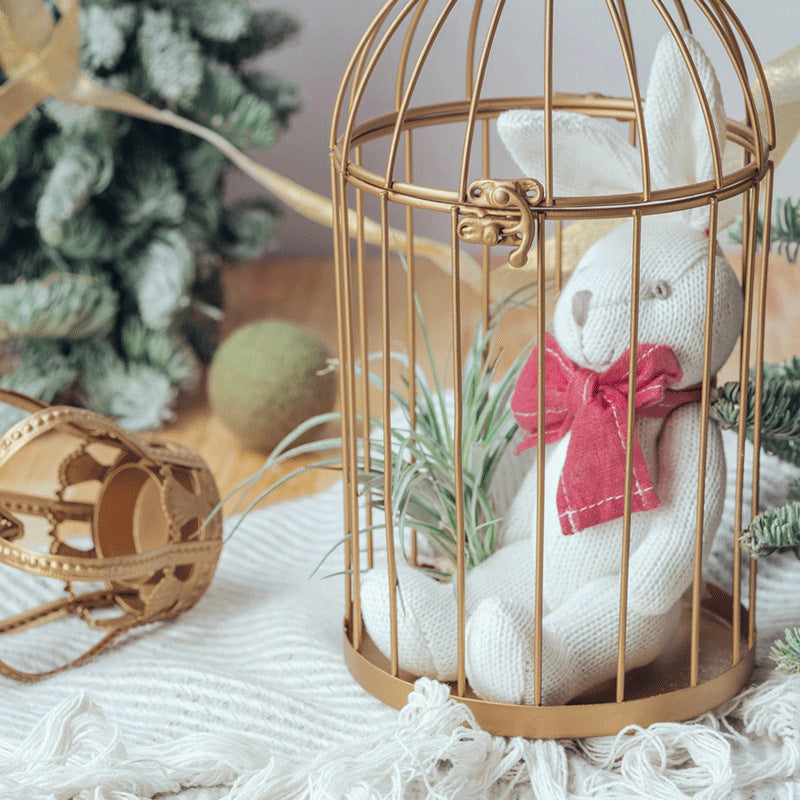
(302, 291)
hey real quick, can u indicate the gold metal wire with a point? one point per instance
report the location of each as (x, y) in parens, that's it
(346, 472)
(458, 456)
(411, 315)
(759, 385)
(623, 35)
(350, 436)
(559, 245)
(633, 342)
(404, 53)
(473, 101)
(697, 579)
(724, 30)
(471, 42)
(748, 281)
(682, 14)
(716, 152)
(353, 176)
(486, 257)
(540, 458)
(386, 379)
(366, 416)
(760, 76)
(623, 16)
(412, 84)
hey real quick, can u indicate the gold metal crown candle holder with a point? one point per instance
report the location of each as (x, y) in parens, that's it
(541, 226)
(128, 514)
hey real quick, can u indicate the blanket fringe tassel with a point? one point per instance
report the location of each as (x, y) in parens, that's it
(749, 747)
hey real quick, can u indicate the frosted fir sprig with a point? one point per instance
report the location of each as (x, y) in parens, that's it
(39, 368)
(171, 60)
(244, 228)
(166, 350)
(149, 193)
(780, 412)
(773, 530)
(60, 306)
(786, 653)
(75, 176)
(104, 34)
(136, 394)
(159, 277)
(211, 19)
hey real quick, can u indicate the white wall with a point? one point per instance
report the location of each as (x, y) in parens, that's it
(317, 57)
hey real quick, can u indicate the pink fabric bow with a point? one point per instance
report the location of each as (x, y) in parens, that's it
(594, 405)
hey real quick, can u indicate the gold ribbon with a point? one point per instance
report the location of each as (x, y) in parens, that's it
(40, 56)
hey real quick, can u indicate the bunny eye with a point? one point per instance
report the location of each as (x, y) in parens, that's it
(662, 290)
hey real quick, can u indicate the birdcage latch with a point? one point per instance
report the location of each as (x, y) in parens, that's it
(480, 226)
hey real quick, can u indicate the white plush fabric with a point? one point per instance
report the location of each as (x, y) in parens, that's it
(590, 158)
(246, 697)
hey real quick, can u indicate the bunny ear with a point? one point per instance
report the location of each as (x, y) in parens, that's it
(678, 138)
(589, 158)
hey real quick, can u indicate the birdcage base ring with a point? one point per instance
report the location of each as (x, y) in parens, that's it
(658, 692)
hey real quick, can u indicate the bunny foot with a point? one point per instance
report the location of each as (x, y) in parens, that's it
(427, 614)
(500, 656)
(427, 630)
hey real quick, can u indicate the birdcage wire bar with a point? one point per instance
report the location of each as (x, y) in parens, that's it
(354, 179)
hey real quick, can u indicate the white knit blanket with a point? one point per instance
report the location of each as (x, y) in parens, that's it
(247, 697)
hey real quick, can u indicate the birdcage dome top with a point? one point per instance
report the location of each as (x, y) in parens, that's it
(416, 114)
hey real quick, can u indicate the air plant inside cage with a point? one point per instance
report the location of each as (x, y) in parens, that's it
(422, 456)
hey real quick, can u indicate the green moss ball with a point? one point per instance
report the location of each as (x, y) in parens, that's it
(265, 380)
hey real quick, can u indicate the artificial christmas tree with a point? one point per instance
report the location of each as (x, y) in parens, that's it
(112, 228)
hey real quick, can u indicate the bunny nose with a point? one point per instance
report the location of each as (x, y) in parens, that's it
(580, 306)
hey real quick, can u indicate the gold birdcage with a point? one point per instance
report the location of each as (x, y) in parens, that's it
(420, 163)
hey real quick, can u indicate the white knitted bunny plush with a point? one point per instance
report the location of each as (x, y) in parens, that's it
(587, 384)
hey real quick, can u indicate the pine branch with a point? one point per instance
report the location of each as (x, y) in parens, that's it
(216, 20)
(777, 529)
(104, 33)
(266, 30)
(171, 59)
(245, 228)
(780, 412)
(139, 395)
(225, 104)
(58, 307)
(149, 193)
(42, 370)
(87, 237)
(16, 149)
(166, 350)
(67, 189)
(786, 653)
(201, 168)
(283, 97)
(784, 232)
(159, 277)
